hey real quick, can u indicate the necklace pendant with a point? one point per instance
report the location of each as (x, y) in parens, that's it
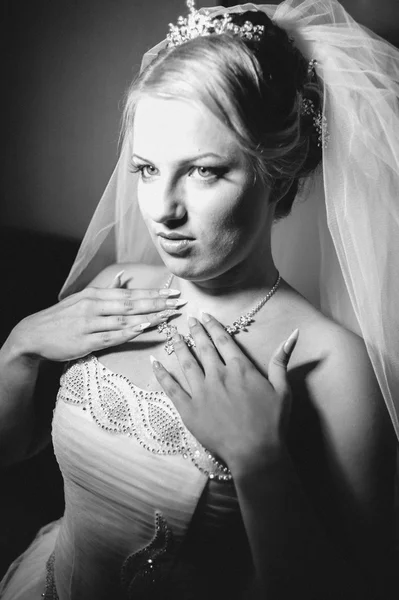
(244, 321)
(238, 325)
(169, 348)
(167, 329)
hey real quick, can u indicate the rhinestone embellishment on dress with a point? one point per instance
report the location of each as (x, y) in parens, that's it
(150, 417)
(142, 570)
(50, 592)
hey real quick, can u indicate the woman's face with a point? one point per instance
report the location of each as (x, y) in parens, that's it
(195, 185)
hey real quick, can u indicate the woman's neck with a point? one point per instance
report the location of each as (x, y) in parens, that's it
(230, 295)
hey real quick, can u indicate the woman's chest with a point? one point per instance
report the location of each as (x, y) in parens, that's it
(258, 344)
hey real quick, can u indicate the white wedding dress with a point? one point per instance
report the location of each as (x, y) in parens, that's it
(149, 513)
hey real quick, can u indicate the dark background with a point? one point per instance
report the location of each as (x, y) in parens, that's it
(67, 64)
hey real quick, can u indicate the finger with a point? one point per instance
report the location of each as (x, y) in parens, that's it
(103, 294)
(147, 305)
(115, 322)
(172, 389)
(128, 306)
(117, 293)
(188, 363)
(223, 341)
(277, 370)
(107, 339)
(203, 345)
(117, 281)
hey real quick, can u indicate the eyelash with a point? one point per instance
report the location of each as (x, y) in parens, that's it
(216, 172)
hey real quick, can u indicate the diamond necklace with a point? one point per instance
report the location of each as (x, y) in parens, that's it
(239, 325)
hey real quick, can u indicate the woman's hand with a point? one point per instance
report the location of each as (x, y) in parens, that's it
(91, 320)
(232, 409)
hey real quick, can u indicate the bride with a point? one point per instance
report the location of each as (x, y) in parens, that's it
(218, 434)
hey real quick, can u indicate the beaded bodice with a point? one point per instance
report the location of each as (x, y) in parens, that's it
(150, 416)
(148, 508)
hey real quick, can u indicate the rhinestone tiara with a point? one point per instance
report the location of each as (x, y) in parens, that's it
(198, 24)
(201, 24)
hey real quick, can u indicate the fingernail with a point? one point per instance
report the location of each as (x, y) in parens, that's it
(192, 321)
(166, 314)
(143, 326)
(117, 278)
(177, 338)
(176, 303)
(205, 317)
(167, 292)
(290, 343)
(154, 362)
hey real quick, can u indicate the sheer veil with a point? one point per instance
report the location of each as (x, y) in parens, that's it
(340, 245)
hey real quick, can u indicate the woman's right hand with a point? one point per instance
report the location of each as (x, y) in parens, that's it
(92, 320)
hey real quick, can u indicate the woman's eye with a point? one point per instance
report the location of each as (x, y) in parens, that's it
(146, 171)
(211, 173)
(203, 173)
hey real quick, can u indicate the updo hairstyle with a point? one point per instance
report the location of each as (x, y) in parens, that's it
(255, 89)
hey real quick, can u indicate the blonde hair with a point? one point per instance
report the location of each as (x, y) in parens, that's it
(255, 89)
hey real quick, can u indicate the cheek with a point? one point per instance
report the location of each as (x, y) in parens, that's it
(216, 224)
(251, 212)
(242, 216)
(142, 202)
(223, 230)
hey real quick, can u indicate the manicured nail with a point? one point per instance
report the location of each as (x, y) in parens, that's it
(117, 278)
(192, 321)
(154, 362)
(177, 338)
(176, 303)
(143, 326)
(290, 343)
(205, 317)
(167, 293)
(166, 314)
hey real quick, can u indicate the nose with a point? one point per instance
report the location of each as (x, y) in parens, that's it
(167, 203)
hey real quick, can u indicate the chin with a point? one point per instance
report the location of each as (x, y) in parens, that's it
(183, 271)
(192, 271)
(184, 268)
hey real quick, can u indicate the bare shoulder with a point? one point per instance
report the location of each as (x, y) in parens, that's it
(134, 275)
(332, 346)
(337, 359)
(341, 385)
(341, 436)
(330, 372)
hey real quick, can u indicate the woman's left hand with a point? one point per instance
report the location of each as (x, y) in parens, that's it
(233, 410)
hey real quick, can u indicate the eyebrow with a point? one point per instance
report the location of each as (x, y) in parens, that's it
(189, 160)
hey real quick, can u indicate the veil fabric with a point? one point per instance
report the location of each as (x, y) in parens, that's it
(340, 245)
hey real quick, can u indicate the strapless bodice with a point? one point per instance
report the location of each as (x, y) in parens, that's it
(149, 512)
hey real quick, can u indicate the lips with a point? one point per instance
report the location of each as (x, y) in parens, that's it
(176, 246)
(174, 236)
